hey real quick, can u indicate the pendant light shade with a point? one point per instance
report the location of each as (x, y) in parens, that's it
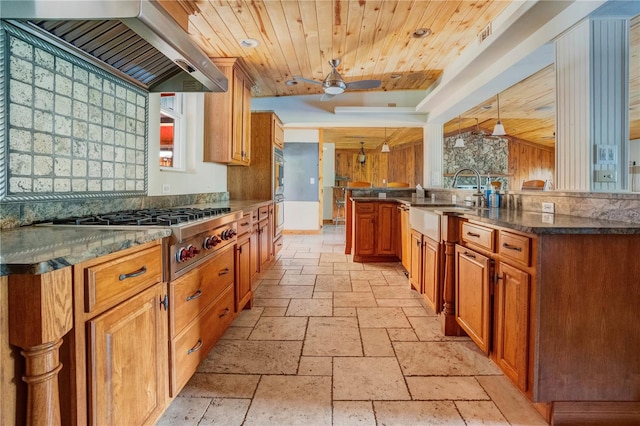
(362, 158)
(498, 129)
(385, 145)
(459, 141)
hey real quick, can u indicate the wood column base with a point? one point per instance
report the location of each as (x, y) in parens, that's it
(41, 375)
(450, 326)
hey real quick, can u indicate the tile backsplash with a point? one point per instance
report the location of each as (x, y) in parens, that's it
(72, 130)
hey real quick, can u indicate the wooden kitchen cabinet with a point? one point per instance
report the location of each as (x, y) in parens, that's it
(127, 361)
(117, 349)
(227, 129)
(472, 295)
(264, 243)
(243, 292)
(512, 310)
(405, 237)
(431, 273)
(376, 231)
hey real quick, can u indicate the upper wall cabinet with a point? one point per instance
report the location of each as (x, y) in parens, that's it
(227, 117)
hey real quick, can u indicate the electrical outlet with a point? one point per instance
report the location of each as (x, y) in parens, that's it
(166, 188)
(312, 181)
(454, 199)
(548, 207)
(605, 176)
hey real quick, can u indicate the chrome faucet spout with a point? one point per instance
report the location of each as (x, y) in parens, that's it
(478, 192)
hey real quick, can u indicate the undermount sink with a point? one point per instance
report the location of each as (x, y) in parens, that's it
(425, 221)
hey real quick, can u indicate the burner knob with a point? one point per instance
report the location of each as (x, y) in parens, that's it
(192, 251)
(211, 242)
(227, 234)
(182, 255)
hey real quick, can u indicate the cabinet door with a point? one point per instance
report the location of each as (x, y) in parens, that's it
(243, 273)
(405, 249)
(246, 121)
(254, 256)
(512, 323)
(415, 270)
(127, 368)
(264, 241)
(365, 237)
(237, 142)
(431, 273)
(472, 285)
(386, 232)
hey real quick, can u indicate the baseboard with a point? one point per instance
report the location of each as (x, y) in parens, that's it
(302, 231)
(621, 413)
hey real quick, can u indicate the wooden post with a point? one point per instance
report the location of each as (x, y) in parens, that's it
(40, 314)
(449, 228)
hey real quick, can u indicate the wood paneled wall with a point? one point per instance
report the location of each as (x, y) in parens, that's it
(528, 162)
(402, 164)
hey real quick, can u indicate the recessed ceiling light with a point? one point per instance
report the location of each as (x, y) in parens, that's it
(421, 33)
(395, 76)
(545, 108)
(486, 106)
(249, 43)
(291, 82)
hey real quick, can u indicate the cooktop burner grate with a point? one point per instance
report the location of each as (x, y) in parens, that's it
(145, 217)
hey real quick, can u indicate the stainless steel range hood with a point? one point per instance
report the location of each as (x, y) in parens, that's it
(136, 39)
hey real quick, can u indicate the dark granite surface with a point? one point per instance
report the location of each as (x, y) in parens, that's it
(525, 221)
(40, 249)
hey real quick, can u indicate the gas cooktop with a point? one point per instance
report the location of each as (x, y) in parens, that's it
(146, 217)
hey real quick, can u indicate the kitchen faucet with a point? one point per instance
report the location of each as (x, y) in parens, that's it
(478, 192)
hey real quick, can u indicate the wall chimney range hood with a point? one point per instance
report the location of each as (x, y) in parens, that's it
(134, 39)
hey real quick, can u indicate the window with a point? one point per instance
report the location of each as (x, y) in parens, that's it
(171, 137)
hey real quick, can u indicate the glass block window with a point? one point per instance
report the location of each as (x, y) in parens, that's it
(72, 130)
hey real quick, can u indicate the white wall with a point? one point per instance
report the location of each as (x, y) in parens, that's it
(199, 177)
(301, 215)
(329, 176)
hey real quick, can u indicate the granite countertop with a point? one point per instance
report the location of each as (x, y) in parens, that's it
(525, 221)
(40, 249)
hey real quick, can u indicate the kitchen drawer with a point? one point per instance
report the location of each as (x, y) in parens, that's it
(193, 291)
(515, 247)
(365, 207)
(112, 282)
(263, 213)
(244, 224)
(277, 245)
(479, 236)
(191, 346)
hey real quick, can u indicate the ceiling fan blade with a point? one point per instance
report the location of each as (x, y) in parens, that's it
(327, 96)
(306, 80)
(363, 84)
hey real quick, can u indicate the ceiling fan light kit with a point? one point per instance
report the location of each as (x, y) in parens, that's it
(498, 129)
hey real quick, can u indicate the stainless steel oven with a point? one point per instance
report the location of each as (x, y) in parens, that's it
(278, 172)
(279, 215)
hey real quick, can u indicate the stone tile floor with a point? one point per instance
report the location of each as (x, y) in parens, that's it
(332, 342)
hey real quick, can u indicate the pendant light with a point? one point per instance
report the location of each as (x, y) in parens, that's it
(498, 129)
(459, 142)
(362, 158)
(385, 145)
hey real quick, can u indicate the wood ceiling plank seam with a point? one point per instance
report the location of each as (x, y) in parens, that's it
(324, 15)
(339, 26)
(278, 20)
(258, 60)
(411, 22)
(311, 30)
(399, 11)
(211, 26)
(293, 19)
(354, 27)
(258, 17)
(372, 59)
(426, 18)
(367, 39)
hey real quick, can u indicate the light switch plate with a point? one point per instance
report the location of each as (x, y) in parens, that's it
(605, 176)
(548, 207)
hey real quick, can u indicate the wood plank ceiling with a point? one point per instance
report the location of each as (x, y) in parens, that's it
(373, 39)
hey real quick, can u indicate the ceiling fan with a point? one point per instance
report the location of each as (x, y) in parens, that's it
(334, 84)
(483, 133)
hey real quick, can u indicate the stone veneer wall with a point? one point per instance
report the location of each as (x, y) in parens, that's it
(13, 215)
(72, 130)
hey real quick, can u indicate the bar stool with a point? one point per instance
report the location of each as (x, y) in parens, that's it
(340, 202)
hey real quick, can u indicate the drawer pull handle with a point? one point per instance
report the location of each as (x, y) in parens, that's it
(225, 313)
(194, 296)
(472, 256)
(473, 234)
(225, 271)
(133, 274)
(244, 224)
(510, 247)
(195, 348)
